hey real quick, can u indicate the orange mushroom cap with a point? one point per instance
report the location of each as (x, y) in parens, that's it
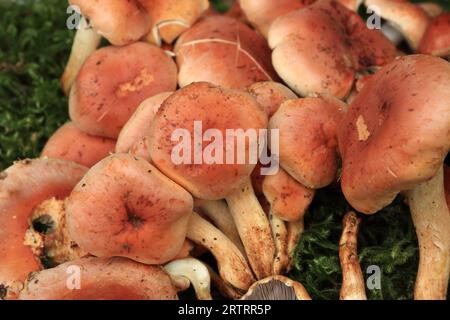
(308, 139)
(23, 186)
(114, 81)
(395, 134)
(326, 44)
(436, 40)
(216, 108)
(70, 143)
(100, 279)
(125, 207)
(223, 51)
(121, 22)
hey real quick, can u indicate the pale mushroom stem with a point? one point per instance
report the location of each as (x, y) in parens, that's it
(196, 272)
(353, 285)
(254, 229)
(231, 263)
(86, 41)
(294, 230)
(219, 214)
(431, 219)
(280, 235)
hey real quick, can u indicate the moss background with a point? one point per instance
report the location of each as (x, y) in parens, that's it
(34, 47)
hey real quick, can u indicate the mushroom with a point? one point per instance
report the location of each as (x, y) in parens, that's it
(92, 278)
(288, 203)
(196, 272)
(121, 22)
(326, 43)
(70, 143)
(114, 81)
(224, 288)
(233, 267)
(407, 18)
(138, 126)
(353, 285)
(23, 186)
(223, 51)
(261, 13)
(125, 207)
(436, 40)
(431, 8)
(394, 138)
(170, 18)
(220, 110)
(276, 288)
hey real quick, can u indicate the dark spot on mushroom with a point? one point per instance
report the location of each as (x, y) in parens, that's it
(127, 247)
(135, 220)
(83, 185)
(44, 224)
(3, 175)
(3, 291)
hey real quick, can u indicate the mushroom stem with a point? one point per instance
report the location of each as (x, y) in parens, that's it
(225, 289)
(431, 219)
(196, 272)
(231, 263)
(254, 229)
(280, 234)
(353, 286)
(85, 42)
(294, 231)
(219, 214)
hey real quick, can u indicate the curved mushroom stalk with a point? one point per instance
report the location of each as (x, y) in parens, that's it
(254, 229)
(280, 236)
(431, 219)
(196, 272)
(218, 212)
(225, 289)
(233, 267)
(353, 285)
(277, 288)
(100, 278)
(85, 42)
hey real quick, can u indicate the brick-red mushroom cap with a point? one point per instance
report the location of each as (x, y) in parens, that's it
(100, 279)
(396, 132)
(436, 40)
(395, 138)
(114, 81)
(326, 44)
(125, 207)
(70, 143)
(214, 178)
(23, 186)
(308, 146)
(223, 51)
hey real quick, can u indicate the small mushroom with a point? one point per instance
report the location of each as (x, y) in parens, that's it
(353, 284)
(276, 288)
(170, 18)
(219, 109)
(138, 126)
(197, 274)
(326, 43)
(125, 207)
(223, 51)
(436, 40)
(394, 138)
(120, 22)
(114, 81)
(408, 18)
(70, 143)
(92, 278)
(23, 186)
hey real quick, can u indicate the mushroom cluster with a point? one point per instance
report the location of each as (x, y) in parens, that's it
(152, 186)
